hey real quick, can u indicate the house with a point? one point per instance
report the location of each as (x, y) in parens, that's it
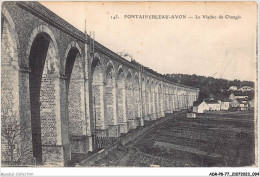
(232, 88)
(243, 104)
(246, 88)
(206, 105)
(239, 104)
(200, 107)
(224, 105)
(234, 104)
(213, 105)
(236, 95)
(251, 104)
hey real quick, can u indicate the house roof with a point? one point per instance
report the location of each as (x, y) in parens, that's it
(211, 102)
(246, 87)
(232, 88)
(222, 102)
(241, 100)
(235, 100)
(197, 103)
(239, 94)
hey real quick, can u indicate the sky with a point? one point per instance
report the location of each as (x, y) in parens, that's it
(222, 48)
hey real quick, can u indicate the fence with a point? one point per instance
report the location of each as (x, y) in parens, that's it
(103, 142)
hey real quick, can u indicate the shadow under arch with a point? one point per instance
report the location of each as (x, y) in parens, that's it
(96, 70)
(37, 59)
(44, 97)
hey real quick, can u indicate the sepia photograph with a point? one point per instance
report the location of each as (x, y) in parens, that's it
(129, 84)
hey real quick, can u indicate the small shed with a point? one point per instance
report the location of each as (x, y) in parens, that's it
(191, 115)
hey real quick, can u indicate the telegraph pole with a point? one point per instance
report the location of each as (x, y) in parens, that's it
(95, 122)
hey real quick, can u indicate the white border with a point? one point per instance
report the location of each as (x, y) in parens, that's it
(132, 171)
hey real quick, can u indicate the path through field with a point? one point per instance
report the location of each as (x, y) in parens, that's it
(212, 139)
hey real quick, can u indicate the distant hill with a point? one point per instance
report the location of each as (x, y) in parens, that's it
(209, 86)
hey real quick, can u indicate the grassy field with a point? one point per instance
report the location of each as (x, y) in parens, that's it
(212, 139)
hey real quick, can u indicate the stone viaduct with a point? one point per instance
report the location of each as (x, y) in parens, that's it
(63, 88)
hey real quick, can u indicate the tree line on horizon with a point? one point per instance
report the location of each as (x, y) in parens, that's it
(211, 87)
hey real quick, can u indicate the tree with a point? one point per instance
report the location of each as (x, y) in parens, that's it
(209, 86)
(16, 139)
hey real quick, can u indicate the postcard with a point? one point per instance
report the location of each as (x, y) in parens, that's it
(129, 84)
